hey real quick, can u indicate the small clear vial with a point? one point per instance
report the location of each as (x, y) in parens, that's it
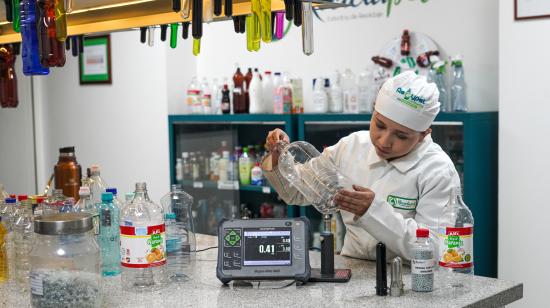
(422, 262)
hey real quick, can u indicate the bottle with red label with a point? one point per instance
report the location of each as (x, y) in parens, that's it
(142, 243)
(456, 240)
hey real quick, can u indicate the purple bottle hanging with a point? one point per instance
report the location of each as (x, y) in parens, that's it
(280, 22)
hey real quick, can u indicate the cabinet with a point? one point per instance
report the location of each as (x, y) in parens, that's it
(470, 139)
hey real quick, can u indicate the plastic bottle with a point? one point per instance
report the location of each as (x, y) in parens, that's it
(143, 258)
(255, 93)
(23, 235)
(336, 102)
(214, 167)
(244, 167)
(194, 97)
(349, 90)
(283, 97)
(422, 262)
(8, 221)
(180, 234)
(223, 165)
(85, 204)
(195, 167)
(458, 88)
(8, 78)
(7, 206)
(216, 97)
(239, 99)
(320, 98)
(97, 184)
(109, 236)
(128, 197)
(4, 271)
(456, 241)
(68, 205)
(206, 97)
(297, 87)
(226, 101)
(256, 175)
(116, 201)
(3, 193)
(366, 91)
(187, 170)
(233, 168)
(60, 20)
(267, 93)
(439, 80)
(52, 51)
(247, 80)
(30, 53)
(179, 171)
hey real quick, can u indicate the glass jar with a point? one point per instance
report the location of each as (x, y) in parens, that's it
(65, 262)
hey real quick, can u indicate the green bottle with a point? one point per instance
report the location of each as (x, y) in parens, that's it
(15, 15)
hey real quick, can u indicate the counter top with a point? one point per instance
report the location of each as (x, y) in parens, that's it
(205, 290)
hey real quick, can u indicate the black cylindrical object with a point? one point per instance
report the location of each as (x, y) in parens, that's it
(74, 43)
(236, 24)
(289, 9)
(327, 253)
(217, 7)
(242, 24)
(67, 44)
(9, 10)
(297, 13)
(163, 32)
(16, 48)
(185, 29)
(176, 5)
(381, 270)
(81, 44)
(143, 35)
(228, 8)
(197, 19)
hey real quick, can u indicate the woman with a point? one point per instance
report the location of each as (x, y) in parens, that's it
(403, 180)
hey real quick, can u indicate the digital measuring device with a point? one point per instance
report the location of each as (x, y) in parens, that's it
(263, 249)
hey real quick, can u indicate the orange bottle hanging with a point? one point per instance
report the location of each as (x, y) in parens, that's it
(52, 51)
(8, 79)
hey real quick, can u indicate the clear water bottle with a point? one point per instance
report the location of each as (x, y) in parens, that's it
(85, 204)
(180, 234)
(439, 80)
(7, 211)
(456, 241)
(7, 207)
(116, 201)
(422, 262)
(23, 235)
(109, 236)
(458, 87)
(142, 243)
(97, 184)
(3, 193)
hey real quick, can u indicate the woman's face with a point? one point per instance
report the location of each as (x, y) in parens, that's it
(392, 140)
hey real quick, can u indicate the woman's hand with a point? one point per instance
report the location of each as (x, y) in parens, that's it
(273, 138)
(356, 202)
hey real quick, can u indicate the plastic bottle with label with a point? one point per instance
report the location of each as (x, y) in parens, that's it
(244, 167)
(223, 165)
(179, 170)
(439, 79)
(97, 184)
(239, 99)
(23, 237)
(349, 90)
(336, 101)
(283, 97)
(267, 93)
(216, 97)
(214, 169)
(187, 171)
(366, 91)
(109, 235)
(85, 204)
(30, 53)
(297, 95)
(255, 93)
(194, 103)
(142, 243)
(256, 175)
(225, 101)
(206, 97)
(422, 262)
(320, 98)
(456, 241)
(458, 87)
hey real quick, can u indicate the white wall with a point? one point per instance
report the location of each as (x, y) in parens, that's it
(524, 150)
(16, 140)
(123, 126)
(467, 27)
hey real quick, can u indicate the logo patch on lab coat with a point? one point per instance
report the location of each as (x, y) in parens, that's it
(401, 203)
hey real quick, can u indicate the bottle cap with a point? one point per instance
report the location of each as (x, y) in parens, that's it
(107, 197)
(112, 190)
(422, 233)
(39, 200)
(11, 200)
(94, 169)
(67, 150)
(267, 72)
(84, 191)
(22, 198)
(170, 216)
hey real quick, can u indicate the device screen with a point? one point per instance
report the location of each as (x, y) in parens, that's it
(267, 246)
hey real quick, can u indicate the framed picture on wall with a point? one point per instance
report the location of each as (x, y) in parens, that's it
(530, 9)
(95, 61)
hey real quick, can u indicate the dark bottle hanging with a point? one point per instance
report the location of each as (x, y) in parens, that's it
(29, 37)
(75, 47)
(163, 32)
(289, 9)
(81, 44)
(174, 35)
(185, 30)
(384, 62)
(51, 50)
(405, 43)
(176, 6)
(236, 24)
(9, 10)
(242, 24)
(228, 8)
(247, 79)
(143, 35)
(8, 78)
(67, 44)
(297, 13)
(16, 23)
(197, 19)
(217, 7)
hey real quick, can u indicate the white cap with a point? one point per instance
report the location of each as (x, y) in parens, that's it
(409, 100)
(84, 191)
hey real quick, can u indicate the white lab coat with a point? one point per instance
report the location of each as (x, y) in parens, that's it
(410, 193)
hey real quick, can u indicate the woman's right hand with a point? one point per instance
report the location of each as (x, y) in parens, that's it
(274, 137)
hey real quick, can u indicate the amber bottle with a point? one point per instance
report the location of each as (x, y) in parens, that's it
(239, 100)
(68, 173)
(8, 79)
(51, 49)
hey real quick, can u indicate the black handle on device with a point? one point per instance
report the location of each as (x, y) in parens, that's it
(381, 270)
(197, 19)
(163, 32)
(67, 44)
(143, 35)
(228, 9)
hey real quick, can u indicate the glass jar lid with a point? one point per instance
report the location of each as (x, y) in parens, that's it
(63, 223)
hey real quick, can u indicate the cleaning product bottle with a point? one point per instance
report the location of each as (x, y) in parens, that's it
(142, 243)
(456, 241)
(256, 175)
(320, 98)
(458, 88)
(109, 236)
(255, 93)
(244, 167)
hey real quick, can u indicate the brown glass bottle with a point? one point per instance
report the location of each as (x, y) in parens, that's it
(384, 62)
(68, 173)
(247, 79)
(239, 101)
(8, 78)
(405, 43)
(51, 49)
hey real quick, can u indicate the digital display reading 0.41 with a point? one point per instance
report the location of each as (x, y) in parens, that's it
(267, 247)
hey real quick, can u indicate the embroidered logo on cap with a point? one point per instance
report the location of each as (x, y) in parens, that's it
(414, 101)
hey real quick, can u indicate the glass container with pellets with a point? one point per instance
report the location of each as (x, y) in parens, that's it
(263, 249)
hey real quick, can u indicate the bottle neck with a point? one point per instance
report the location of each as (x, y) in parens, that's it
(141, 195)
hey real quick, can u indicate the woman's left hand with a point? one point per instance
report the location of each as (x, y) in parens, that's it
(356, 202)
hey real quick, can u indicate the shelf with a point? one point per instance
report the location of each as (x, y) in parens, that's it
(268, 119)
(226, 186)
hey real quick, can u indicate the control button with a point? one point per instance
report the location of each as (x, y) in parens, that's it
(297, 238)
(298, 256)
(237, 254)
(226, 254)
(288, 223)
(226, 263)
(237, 263)
(232, 238)
(298, 247)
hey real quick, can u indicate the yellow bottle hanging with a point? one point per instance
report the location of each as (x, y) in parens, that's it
(196, 46)
(265, 20)
(256, 33)
(249, 30)
(60, 20)
(3, 254)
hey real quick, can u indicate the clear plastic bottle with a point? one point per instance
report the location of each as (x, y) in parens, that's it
(439, 80)
(206, 96)
(267, 93)
(116, 200)
(7, 207)
(195, 167)
(3, 193)
(85, 204)
(23, 236)
(336, 101)
(223, 165)
(128, 197)
(143, 259)
(8, 221)
(458, 88)
(320, 98)
(109, 236)
(456, 241)
(186, 166)
(366, 92)
(422, 262)
(255, 93)
(179, 170)
(216, 96)
(194, 103)
(244, 167)
(68, 206)
(214, 170)
(349, 90)
(97, 184)
(180, 234)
